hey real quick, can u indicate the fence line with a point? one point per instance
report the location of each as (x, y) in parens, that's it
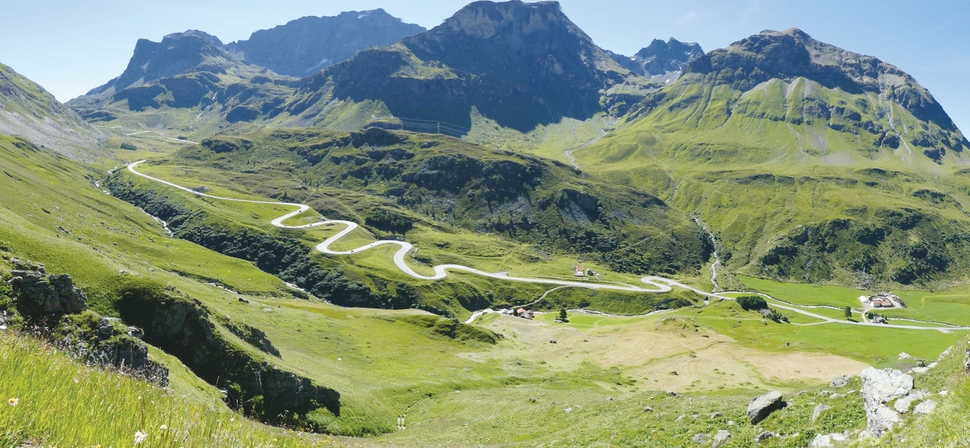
(426, 127)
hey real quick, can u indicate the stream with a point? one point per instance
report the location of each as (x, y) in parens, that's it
(717, 259)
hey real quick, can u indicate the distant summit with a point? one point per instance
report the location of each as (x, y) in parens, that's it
(239, 82)
(176, 54)
(520, 64)
(792, 54)
(665, 61)
(661, 61)
(309, 44)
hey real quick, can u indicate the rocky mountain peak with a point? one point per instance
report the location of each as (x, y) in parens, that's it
(791, 54)
(192, 37)
(309, 44)
(485, 19)
(531, 39)
(665, 61)
(177, 53)
(670, 55)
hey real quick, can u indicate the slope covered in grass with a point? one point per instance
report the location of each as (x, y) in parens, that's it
(50, 400)
(810, 163)
(442, 182)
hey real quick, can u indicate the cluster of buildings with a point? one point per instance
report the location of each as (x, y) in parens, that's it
(882, 300)
(584, 273)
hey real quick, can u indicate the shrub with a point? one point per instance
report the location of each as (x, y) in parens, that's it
(387, 221)
(774, 315)
(749, 303)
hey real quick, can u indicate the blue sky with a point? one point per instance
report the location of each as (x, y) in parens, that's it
(70, 47)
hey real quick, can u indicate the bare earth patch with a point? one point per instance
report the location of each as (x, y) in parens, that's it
(664, 354)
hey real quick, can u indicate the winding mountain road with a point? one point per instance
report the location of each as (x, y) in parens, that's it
(659, 284)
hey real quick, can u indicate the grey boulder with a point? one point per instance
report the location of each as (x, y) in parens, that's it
(761, 407)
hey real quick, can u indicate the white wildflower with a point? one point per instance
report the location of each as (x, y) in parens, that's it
(140, 437)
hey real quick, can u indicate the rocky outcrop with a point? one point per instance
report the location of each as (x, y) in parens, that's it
(839, 382)
(54, 303)
(106, 342)
(879, 388)
(761, 407)
(722, 437)
(828, 440)
(817, 412)
(182, 327)
(39, 295)
(904, 404)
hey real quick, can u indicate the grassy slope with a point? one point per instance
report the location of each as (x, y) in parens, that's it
(114, 237)
(33, 113)
(61, 403)
(605, 370)
(947, 425)
(650, 237)
(742, 164)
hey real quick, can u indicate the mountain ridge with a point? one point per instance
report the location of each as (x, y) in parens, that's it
(29, 111)
(176, 54)
(836, 144)
(308, 44)
(520, 64)
(661, 61)
(794, 54)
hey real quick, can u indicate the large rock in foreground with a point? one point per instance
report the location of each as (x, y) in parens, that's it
(761, 407)
(879, 387)
(39, 294)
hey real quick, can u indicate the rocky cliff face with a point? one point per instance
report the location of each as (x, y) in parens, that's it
(182, 326)
(309, 44)
(176, 54)
(520, 64)
(39, 294)
(53, 303)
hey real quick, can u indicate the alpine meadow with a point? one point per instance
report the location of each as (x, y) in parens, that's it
(351, 230)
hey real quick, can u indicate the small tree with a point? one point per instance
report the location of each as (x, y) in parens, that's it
(562, 315)
(848, 312)
(752, 303)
